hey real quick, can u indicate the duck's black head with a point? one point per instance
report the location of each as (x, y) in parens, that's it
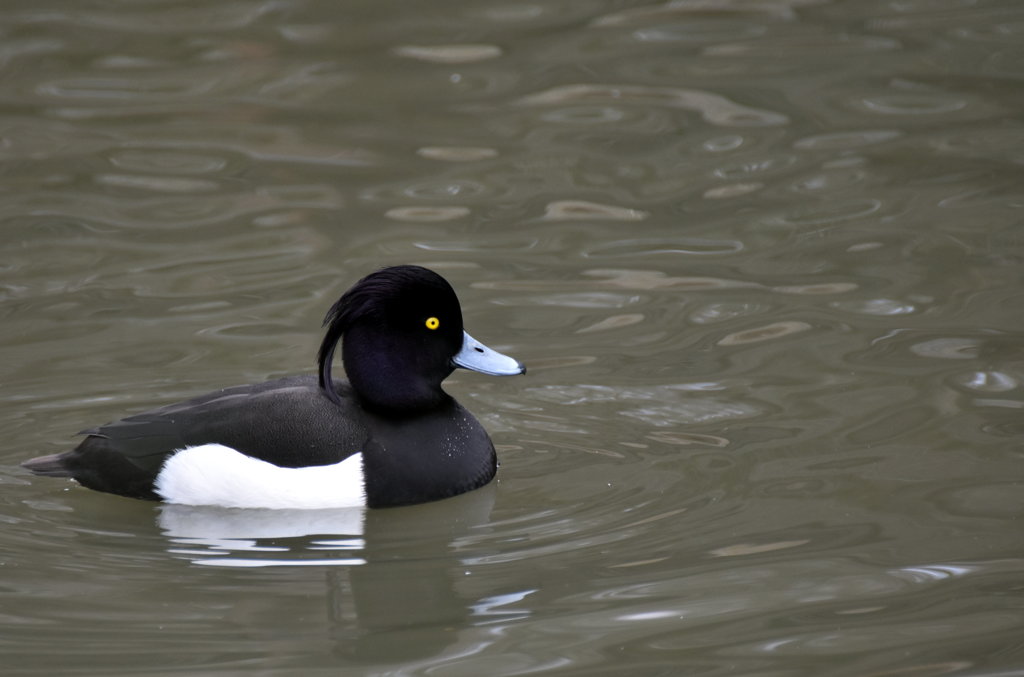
(403, 335)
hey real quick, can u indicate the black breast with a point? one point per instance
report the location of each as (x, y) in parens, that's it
(426, 457)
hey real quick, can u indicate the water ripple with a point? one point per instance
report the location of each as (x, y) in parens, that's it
(662, 247)
(781, 9)
(449, 54)
(762, 257)
(716, 109)
(573, 210)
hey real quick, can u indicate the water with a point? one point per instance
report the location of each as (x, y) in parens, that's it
(763, 260)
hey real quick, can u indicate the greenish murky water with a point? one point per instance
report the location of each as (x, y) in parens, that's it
(763, 259)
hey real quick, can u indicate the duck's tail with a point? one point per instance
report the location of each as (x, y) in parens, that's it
(48, 466)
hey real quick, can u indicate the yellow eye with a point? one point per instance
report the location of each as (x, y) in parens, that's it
(433, 323)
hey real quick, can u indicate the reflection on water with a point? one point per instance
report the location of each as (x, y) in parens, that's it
(762, 257)
(715, 109)
(236, 532)
(228, 534)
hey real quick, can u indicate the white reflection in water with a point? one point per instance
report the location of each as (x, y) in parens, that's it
(586, 115)
(655, 279)
(448, 53)
(714, 108)
(685, 11)
(988, 381)
(722, 144)
(697, 411)
(426, 214)
(217, 536)
(190, 521)
(667, 247)
(903, 104)
(734, 190)
(815, 289)
(257, 563)
(876, 307)
(613, 322)
(159, 184)
(947, 348)
(169, 161)
(652, 615)
(762, 166)
(721, 312)
(844, 140)
(571, 210)
(457, 153)
(827, 214)
(491, 607)
(934, 572)
(582, 300)
(764, 333)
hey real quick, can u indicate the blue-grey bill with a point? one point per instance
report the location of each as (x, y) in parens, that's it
(475, 356)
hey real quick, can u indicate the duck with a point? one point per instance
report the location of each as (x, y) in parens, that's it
(387, 436)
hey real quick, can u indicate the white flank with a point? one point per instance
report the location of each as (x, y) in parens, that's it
(213, 474)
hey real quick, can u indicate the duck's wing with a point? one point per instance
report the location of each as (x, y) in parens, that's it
(288, 422)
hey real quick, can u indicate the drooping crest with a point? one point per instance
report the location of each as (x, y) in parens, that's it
(377, 297)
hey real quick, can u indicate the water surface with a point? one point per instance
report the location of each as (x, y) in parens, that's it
(763, 260)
